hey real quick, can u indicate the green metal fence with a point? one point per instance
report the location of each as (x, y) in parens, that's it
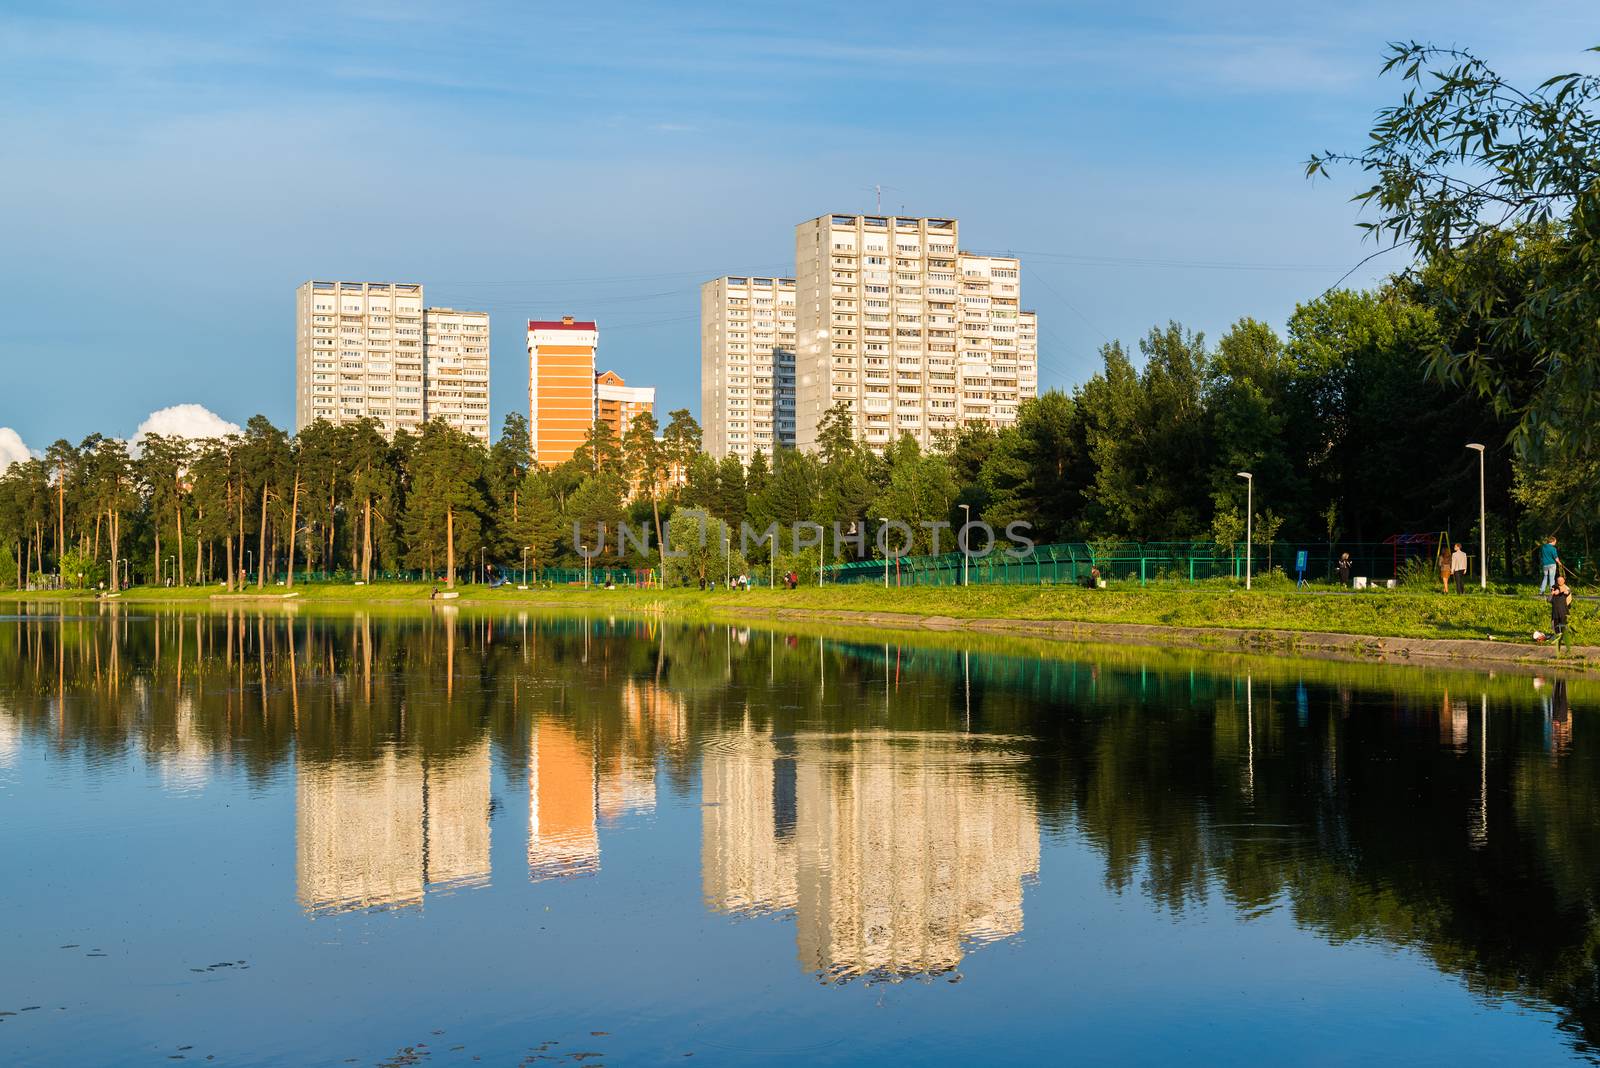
(1074, 563)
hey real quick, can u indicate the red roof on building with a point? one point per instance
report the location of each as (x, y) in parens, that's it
(559, 324)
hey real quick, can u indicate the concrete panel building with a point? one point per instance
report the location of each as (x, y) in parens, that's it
(373, 350)
(358, 354)
(900, 326)
(561, 387)
(455, 369)
(747, 344)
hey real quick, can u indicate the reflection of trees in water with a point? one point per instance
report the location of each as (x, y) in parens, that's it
(1362, 798)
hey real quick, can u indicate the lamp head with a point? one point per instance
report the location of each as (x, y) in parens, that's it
(1244, 474)
(1474, 446)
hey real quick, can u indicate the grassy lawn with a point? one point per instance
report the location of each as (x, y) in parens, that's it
(1377, 613)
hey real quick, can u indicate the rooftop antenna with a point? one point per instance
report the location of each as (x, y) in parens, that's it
(877, 191)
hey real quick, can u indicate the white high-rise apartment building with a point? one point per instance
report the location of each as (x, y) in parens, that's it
(999, 348)
(358, 353)
(910, 333)
(456, 369)
(361, 352)
(747, 339)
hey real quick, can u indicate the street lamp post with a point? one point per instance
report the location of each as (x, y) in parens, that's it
(584, 550)
(483, 571)
(1249, 512)
(966, 521)
(524, 568)
(250, 564)
(884, 520)
(1483, 522)
(125, 582)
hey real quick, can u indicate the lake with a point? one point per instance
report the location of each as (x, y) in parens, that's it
(508, 838)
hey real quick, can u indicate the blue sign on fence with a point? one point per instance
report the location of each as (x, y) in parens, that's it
(1300, 568)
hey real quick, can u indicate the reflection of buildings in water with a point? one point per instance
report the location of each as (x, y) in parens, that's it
(1558, 721)
(627, 787)
(653, 712)
(747, 856)
(457, 798)
(186, 765)
(562, 804)
(10, 737)
(376, 834)
(1454, 724)
(896, 851)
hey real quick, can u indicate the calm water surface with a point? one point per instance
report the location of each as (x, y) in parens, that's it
(510, 839)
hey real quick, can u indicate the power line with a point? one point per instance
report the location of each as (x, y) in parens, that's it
(1084, 260)
(707, 275)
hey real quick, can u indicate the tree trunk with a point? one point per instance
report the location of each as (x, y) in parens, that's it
(261, 542)
(95, 553)
(158, 553)
(327, 557)
(450, 547)
(366, 544)
(294, 513)
(61, 521)
(111, 537)
(227, 549)
(238, 565)
(177, 510)
(661, 550)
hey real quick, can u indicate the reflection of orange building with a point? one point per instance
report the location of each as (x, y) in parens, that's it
(560, 387)
(562, 797)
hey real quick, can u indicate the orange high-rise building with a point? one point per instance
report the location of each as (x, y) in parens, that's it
(561, 385)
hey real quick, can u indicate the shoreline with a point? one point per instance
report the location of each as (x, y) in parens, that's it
(682, 604)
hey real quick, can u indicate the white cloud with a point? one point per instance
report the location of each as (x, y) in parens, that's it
(12, 450)
(183, 421)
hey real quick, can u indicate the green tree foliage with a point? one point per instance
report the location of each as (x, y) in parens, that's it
(1466, 168)
(445, 494)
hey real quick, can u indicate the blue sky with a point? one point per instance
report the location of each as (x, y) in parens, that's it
(169, 173)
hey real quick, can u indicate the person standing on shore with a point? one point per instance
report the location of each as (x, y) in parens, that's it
(1344, 569)
(1549, 561)
(1458, 568)
(1560, 610)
